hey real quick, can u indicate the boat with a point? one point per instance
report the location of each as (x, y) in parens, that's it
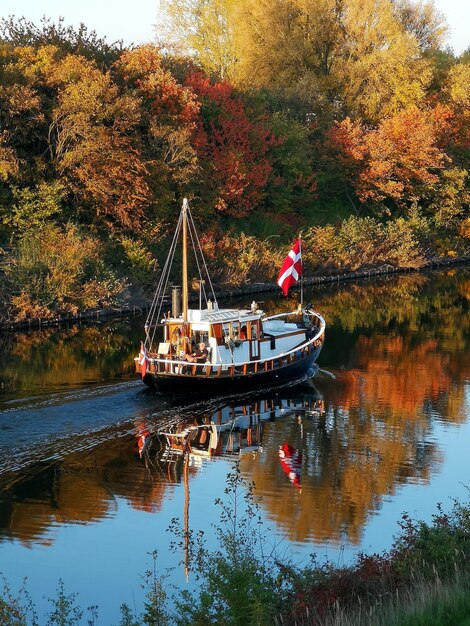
(213, 349)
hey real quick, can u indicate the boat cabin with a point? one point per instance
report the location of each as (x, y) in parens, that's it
(230, 335)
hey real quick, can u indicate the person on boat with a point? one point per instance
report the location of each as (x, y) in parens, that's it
(199, 355)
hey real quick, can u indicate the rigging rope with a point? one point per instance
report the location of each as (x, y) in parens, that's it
(155, 312)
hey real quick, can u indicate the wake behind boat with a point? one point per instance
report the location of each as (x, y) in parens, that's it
(219, 350)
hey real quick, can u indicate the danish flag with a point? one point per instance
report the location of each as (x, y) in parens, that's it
(143, 360)
(143, 442)
(291, 269)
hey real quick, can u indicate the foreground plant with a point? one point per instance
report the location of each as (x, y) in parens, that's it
(240, 582)
(155, 613)
(16, 610)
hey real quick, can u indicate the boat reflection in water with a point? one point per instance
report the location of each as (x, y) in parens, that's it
(229, 431)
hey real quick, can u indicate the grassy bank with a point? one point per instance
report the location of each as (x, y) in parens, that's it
(426, 603)
(424, 579)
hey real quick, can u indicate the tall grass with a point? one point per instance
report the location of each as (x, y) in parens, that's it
(425, 603)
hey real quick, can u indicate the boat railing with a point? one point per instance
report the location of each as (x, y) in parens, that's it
(310, 312)
(180, 366)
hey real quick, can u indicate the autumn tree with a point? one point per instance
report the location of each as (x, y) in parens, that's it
(363, 56)
(21, 33)
(203, 27)
(167, 120)
(91, 144)
(381, 71)
(421, 19)
(8, 160)
(32, 207)
(457, 93)
(64, 118)
(22, 121)
(452, 122)
(396, 163)
(232, 148)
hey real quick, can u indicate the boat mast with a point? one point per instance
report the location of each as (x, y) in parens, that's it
(185, 260)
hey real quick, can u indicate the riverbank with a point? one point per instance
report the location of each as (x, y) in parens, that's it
(135, 306)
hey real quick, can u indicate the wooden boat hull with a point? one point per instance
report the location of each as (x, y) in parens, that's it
(293, 370)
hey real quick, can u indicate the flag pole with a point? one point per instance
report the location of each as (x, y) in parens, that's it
(302, 274)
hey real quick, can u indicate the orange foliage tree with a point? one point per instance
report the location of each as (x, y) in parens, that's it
(168, 119)
(397, 162)
(91, 144)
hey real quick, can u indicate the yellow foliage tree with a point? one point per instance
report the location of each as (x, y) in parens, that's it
(90, 142)
(380, 68)
(202, 27)
(365, 56)
(8, 161)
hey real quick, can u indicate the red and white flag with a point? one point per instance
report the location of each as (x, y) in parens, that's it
(143, 442)
(143, 360)
(291, 269)
(291, 463)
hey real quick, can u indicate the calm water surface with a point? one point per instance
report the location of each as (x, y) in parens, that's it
(383, 428)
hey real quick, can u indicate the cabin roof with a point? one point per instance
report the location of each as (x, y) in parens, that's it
(213, 316)
(221, 315)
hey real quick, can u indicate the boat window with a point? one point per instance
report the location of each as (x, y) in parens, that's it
(201, 336)
(254, 330)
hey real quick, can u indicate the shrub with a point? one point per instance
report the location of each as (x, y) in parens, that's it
(57, 271)
(234, 260)
(141, 265)
(240, 585)
(359, 243)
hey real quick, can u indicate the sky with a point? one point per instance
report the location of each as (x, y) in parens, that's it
(134, 21)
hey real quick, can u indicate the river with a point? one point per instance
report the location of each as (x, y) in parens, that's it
(381, 429)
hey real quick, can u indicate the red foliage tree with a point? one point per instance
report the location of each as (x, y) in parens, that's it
(232, 148)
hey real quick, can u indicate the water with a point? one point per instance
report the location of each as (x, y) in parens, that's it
(383, 428)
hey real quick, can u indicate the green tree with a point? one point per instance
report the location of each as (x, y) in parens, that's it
(32, 207)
